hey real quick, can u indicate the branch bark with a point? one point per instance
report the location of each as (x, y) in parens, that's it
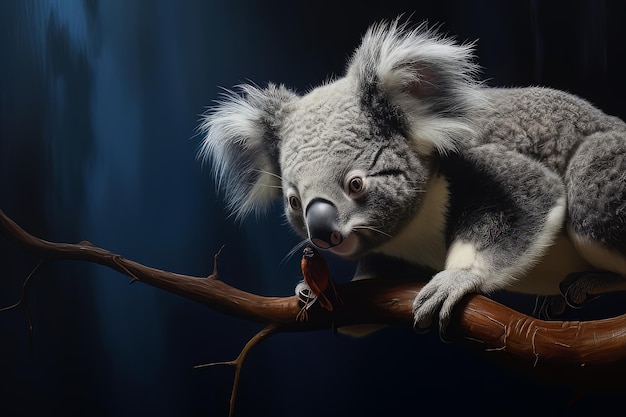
(572, 352)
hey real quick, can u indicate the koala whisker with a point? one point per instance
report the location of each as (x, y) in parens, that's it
(279, 187)
(262, 171)
(298, 247)
(373, 229)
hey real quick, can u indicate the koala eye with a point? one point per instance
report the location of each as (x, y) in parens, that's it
(355, 185)
(294, 203)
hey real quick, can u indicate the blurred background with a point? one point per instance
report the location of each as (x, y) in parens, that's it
(99, 107)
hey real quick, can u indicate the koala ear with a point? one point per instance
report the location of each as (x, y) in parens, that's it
(242, 144)
(428, 77)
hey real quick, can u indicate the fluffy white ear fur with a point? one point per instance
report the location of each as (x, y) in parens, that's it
(431, 78)
(241, 143)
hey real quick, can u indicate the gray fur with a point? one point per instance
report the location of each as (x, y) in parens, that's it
(414, 160)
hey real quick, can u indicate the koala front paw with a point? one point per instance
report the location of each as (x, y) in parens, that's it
(440, 295)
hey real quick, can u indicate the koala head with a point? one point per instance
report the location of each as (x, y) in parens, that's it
(352, 158)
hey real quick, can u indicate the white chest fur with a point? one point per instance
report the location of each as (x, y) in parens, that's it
(422, 241)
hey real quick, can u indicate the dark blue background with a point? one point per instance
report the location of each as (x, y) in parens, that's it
(99, 105)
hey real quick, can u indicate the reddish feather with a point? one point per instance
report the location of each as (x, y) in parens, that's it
(317, 276)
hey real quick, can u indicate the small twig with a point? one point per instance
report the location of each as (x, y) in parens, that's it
(217, 255)
(23, 301)
(238, 362)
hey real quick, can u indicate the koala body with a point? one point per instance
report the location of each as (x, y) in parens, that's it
(408, 158)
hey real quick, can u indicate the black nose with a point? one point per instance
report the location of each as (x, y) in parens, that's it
(323, 224)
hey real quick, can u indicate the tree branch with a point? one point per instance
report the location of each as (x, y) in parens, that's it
(571, 352)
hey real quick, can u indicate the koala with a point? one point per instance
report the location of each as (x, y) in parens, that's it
(409, 158)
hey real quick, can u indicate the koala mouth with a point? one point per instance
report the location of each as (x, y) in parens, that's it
(333, 239)
(348, 247)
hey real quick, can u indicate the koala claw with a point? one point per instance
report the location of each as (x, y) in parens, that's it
(439, 296)
(578, 289)
(548, 307)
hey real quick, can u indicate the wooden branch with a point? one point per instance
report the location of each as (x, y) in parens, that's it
(569, 352)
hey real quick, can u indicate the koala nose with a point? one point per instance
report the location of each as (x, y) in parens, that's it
(322, 220)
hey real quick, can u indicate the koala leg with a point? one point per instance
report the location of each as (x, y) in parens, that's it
(595, 181)
(505, 211)
(579, 288)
